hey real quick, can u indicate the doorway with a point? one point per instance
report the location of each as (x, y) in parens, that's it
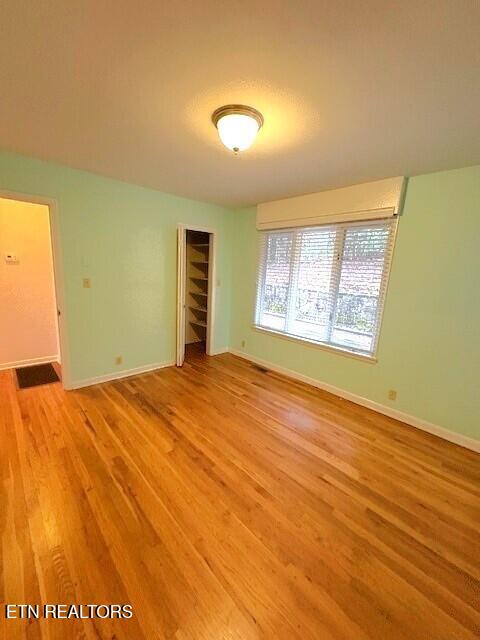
(28, 291)
(196, 277)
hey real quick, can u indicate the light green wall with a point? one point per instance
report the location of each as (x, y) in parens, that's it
(429, 348)
(123, 237)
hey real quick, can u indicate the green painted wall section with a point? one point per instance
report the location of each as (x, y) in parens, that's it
(429, 348)
(123, 237)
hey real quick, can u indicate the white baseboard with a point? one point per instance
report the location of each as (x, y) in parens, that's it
(125, 373)
(419, 423)
(219, 352)
(29, 363)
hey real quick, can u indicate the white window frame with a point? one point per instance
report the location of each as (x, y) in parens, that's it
(259, 297)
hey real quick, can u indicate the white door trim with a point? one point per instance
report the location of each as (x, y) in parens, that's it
(58, 274)
(181, 256)
(181, 279)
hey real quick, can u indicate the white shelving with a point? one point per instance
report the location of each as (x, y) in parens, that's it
(197, 287)
(198, 323)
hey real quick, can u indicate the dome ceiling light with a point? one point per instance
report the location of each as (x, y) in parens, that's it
(237, 125)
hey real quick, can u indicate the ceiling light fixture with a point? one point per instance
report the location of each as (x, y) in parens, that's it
(237, 125)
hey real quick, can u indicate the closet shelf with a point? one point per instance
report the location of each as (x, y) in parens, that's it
(199, 261)
(198, 323)
(202, 244)
(198, 309)
(197, 278)
(199, 293)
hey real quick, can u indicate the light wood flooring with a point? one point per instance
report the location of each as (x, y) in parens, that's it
(226, 502)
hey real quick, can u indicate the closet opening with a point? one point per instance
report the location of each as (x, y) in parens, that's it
(196, 268)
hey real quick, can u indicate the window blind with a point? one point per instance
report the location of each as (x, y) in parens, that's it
(325, 284)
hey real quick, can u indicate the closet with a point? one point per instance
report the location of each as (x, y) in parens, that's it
(196, 289)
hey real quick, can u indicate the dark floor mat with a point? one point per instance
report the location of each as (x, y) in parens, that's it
(36, 375)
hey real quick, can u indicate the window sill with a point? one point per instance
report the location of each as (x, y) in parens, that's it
(317, 345)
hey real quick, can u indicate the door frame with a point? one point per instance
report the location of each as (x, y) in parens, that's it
(181, 287)
(58, 274)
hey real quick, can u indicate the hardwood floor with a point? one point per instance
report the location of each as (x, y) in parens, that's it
(225, 502)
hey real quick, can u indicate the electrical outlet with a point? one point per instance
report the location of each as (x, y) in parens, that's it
(118, 360)
(392, 394)
(86, 283)
(243, 343)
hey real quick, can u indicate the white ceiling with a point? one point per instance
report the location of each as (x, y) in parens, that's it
(351, 90)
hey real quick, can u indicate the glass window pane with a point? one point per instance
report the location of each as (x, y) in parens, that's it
(313, 279)
(360, 282)
(278, 255)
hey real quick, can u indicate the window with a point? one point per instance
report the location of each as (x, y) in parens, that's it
(326, 284)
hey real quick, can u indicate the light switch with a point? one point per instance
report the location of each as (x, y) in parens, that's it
(86, 283)
(11, 258)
